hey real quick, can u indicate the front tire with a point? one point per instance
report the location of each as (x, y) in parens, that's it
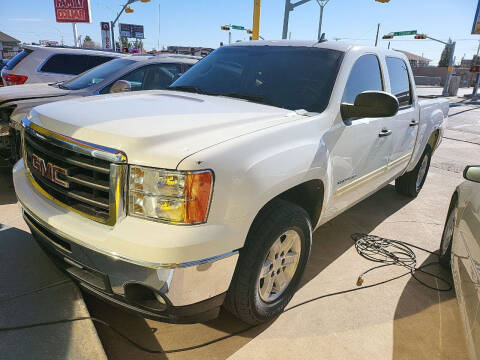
(445, 251)
(411, 183)
(271, 263)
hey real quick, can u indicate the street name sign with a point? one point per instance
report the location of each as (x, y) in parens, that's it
(404, 33)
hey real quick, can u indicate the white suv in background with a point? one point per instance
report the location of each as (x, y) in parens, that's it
(39, 64)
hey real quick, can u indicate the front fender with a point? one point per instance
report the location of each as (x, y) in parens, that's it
(253, 169)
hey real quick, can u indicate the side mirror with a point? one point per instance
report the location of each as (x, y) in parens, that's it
(120, 86)
(472, 173)
(370, 104)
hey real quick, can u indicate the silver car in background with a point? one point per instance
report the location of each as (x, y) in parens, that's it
(460, 250)
(132, 73)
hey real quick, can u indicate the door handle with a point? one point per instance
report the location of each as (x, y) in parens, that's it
(413, 123)
(385, 132)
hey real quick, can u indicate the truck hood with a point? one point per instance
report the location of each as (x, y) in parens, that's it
(157, 128)
(30, 91)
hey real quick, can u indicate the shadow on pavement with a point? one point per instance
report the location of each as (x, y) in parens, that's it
(331, 240)
(427, 322)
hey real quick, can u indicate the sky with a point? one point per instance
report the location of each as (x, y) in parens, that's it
(197, 22)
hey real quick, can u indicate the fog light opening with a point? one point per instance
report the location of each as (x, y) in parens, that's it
(145, 297)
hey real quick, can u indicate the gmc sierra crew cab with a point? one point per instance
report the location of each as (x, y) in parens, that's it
(172, 203)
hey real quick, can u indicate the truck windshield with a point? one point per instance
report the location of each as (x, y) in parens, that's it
(95, 75)
(288, 77)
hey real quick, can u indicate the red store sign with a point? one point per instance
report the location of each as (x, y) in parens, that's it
(76, 11)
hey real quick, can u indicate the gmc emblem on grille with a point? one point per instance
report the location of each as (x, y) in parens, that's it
(49, 170)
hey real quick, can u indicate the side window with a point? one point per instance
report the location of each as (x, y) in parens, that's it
(72, 64)
(161, 76)
(136, 79)
(365, 75)
(399, 80)
(97, 60)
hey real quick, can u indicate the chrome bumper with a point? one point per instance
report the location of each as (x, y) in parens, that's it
(175, 286)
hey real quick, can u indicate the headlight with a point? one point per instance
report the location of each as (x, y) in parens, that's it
(179, 197)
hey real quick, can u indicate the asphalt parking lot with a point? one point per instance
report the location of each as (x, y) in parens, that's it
(397, 320)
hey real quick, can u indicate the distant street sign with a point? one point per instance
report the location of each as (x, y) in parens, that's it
(76, 11)
(404, 33)
(237, 27)
(476, 21)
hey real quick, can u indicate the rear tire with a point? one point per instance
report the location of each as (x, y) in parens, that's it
(411, 183)
(269, 269)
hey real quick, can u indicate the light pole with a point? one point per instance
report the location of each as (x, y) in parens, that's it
(322, 4)
(112, 23)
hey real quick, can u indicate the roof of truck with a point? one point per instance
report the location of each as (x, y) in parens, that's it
(334, 45)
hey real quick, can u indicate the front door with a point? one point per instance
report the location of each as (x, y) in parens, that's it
(360, 154)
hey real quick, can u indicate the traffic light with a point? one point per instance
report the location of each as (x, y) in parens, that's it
(420, 36)
(225, 27)
(389, 36)
(249, 31)
(475, 68)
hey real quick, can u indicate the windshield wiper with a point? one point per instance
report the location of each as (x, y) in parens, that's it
(260, 99)
(186, 88)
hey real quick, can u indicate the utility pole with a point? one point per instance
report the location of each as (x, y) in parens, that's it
(229, 37)
(376, 39)
(477, 81)
(256, 20)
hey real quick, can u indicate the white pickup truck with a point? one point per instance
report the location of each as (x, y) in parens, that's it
(171, 203)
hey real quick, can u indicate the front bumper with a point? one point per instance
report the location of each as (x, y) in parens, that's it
(144, 291)
(188, 291)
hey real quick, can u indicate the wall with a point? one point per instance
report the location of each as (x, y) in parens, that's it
(435, 71)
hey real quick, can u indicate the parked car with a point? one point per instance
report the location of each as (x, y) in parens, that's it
(131, 73)
(39, 64)
(460, 251)
(173, 202)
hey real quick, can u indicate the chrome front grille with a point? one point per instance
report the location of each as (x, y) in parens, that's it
(80, 176)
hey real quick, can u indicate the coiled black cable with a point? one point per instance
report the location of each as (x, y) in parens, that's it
(371, 247)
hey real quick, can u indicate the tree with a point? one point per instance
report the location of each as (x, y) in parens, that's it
(445, 57)
(88, 42)
(475, 60)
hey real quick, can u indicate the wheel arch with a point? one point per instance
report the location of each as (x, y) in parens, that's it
(309, 195)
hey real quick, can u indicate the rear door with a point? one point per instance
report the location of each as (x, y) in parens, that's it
(404, 125)
(360, 155)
